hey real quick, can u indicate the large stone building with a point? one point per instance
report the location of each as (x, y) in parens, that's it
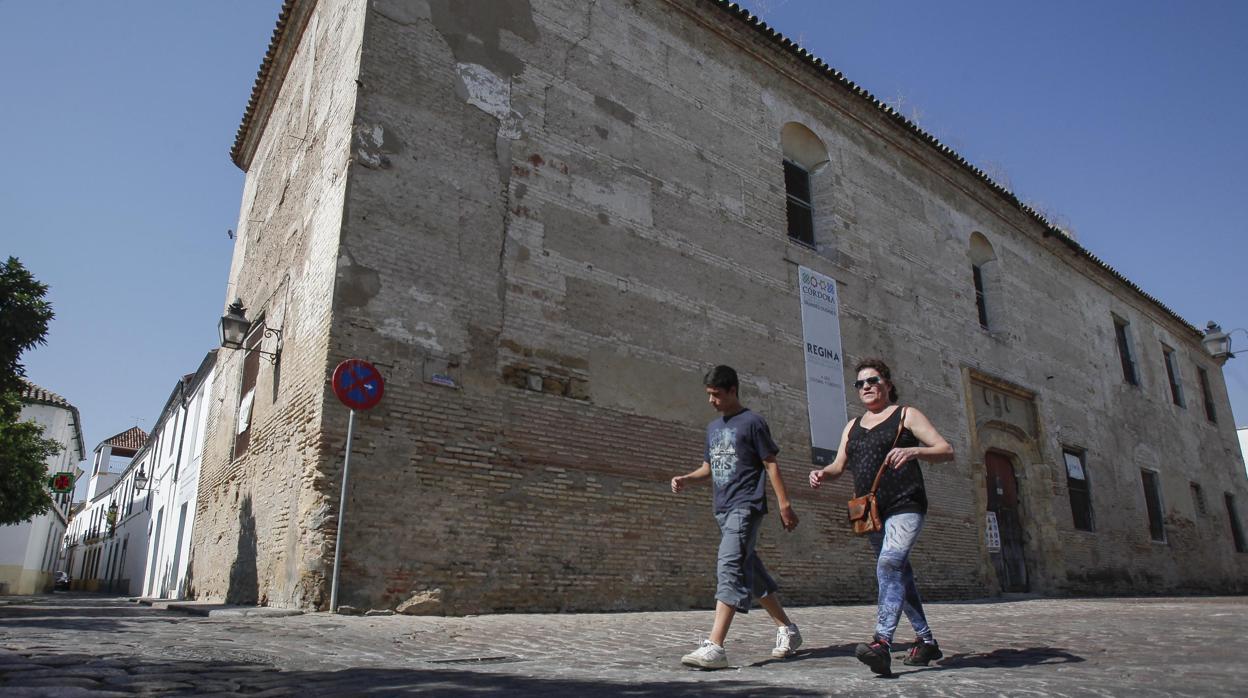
(544, 219)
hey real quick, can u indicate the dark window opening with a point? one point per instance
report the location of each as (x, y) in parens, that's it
(800, 212)
(1198, 499)
(1077, 485)
(977, 274)
(247, 393)
(1237, 532)
(1152, 500)
(1210, 413)
(1124, 352)
(1172, 372)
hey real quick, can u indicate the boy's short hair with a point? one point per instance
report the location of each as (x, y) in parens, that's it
(722, 377)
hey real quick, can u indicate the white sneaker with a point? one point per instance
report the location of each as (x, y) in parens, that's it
(708, 656)
(788, 639)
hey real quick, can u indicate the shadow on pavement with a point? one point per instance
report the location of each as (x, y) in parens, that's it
(1009, 658)
(845, 650)
(182, 677)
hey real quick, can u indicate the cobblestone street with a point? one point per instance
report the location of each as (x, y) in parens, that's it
(86, 645)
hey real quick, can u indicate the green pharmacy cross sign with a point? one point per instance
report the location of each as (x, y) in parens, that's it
(61, 482)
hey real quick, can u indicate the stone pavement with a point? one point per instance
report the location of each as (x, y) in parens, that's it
(89, 645)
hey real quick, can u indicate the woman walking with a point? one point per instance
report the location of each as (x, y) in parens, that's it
(887, 441)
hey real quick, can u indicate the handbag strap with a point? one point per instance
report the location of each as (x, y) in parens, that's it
(900, 425)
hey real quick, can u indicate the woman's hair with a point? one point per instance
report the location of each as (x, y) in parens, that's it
(885, 373)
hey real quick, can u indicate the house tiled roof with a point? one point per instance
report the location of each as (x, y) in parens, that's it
(132, 438)
(268, 71)
(34, 393)
(262, 78)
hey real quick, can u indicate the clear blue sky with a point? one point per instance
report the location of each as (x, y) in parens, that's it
(1123, 119)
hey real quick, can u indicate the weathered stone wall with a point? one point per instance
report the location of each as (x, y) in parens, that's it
(262, 518)
(568, 210)
(572, 209)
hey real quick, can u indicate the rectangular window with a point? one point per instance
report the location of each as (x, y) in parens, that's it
(800, 213)
(1077, 485)
(1198, 499)
(978, 275)
(173, 430)
(1172, 372)
(1210, 413)
(247, 392)
(1124, 352)
(1152, 500)
(1237, 532)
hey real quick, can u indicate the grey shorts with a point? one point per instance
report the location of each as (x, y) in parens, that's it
(739, 572)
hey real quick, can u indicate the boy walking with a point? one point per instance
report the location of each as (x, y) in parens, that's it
(739, 450)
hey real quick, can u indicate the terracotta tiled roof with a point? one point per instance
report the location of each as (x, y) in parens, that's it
(839, 78)
(262, 77)
(132, 438)
(33, 393)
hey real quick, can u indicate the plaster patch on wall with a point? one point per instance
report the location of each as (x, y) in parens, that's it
(492, 95)
(393, 328)
(420, 296)
(357, 284)
(424, 335)
(373, 144)
(625, 197)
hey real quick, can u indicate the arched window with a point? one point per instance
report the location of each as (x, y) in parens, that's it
(983, 276)
(804, 155)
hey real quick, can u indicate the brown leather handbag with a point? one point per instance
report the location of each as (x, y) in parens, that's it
(864, 512)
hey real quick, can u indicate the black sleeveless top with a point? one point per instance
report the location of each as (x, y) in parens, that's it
(901, 489)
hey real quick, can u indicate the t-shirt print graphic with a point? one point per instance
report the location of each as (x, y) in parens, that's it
(723, 455)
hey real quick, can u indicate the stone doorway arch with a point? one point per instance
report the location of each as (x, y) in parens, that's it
(1004, 428)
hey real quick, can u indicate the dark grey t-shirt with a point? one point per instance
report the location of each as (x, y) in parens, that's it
(735, 448)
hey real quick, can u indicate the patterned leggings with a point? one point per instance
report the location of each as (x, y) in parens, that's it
(896, 577)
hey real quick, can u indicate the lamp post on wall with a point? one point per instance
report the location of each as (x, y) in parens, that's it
(233, 325)
(1218, 343)
(234, 328)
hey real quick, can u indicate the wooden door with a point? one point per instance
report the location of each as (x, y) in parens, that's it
(1009, 561)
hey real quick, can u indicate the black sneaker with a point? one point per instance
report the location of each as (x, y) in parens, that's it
(876, 655)
(923, 652)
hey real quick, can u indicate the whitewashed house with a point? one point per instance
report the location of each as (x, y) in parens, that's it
(175, 482)
(98, 544)
(30, 552)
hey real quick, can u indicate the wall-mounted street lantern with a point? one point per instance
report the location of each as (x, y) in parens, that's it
(110, 517)
(140, 479)
(234, 327)
(1218, 343)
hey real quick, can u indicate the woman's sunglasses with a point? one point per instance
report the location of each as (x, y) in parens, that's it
(869, 380)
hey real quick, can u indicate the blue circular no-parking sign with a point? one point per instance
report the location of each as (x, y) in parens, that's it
(358, 384)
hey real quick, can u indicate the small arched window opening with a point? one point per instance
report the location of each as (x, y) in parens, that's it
(804, 155)
(983, 276)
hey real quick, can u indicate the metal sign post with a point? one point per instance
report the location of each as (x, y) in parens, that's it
(359, 386)
(342, 509)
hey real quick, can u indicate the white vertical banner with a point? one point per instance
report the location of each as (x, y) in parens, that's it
(825, 371)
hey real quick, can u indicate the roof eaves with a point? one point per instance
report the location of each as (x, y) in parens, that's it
(291, 20)
(743, 15)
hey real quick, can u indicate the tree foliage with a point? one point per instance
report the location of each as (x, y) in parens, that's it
(23, 466)
(24, 318)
